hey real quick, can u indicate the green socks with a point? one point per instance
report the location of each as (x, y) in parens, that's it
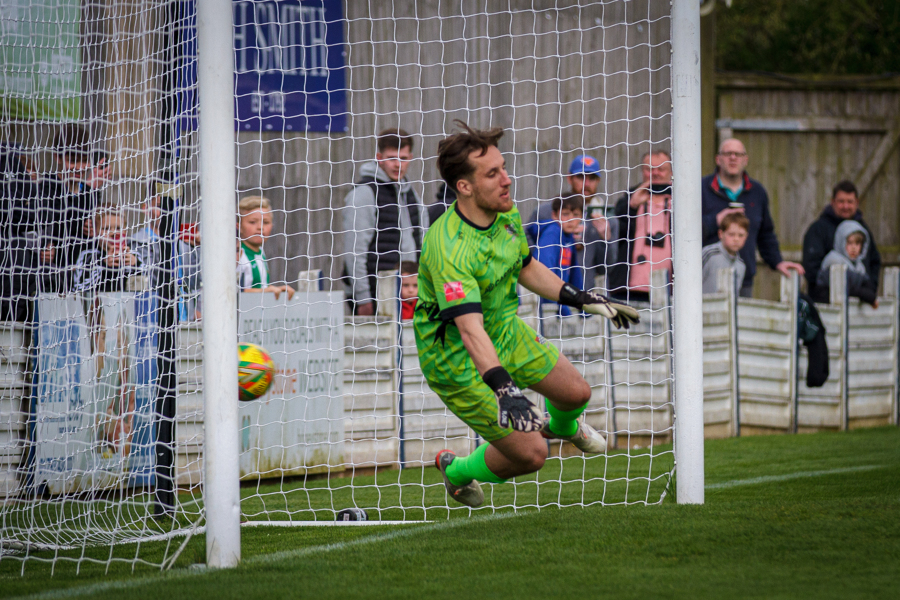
(564, 422)
(464, 469)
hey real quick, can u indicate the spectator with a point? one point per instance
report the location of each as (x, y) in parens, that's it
(409, 289)
(733, 231)
(108, 262)
(445, 197)
(254, 228)
(730, 190)
(147, 243)
(20, 250)
(384, 219)
(594, 250)
(69, 200)
(819, 238)
(644, 227)
(851, 246)
(556, 245)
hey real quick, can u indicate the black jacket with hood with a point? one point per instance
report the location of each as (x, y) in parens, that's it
(819, 241)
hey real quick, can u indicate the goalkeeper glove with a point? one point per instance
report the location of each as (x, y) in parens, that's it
(513, 408)
(621, 315)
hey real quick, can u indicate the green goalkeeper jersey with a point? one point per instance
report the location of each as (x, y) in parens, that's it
(464, 269)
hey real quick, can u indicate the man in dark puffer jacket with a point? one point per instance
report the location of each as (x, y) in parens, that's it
(819, 238)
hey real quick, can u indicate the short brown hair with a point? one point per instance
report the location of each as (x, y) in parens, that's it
(845, 186)
(857, 237)
(570, 202)
(73, 141)
(394, 138)
(453, 151)
(738, 219)
(409, 267)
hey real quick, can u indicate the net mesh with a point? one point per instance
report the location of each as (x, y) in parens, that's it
(101, 421)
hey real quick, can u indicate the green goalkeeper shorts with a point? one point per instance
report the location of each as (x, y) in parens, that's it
(528, 358)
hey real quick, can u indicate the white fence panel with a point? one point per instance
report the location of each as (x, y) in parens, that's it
(14, 388)
(630, 373)
(720, 385)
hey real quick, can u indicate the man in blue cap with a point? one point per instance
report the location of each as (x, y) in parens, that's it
(584, 179)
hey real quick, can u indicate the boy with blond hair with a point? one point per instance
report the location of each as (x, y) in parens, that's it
(254, 228)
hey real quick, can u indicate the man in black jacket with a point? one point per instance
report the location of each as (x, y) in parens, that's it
(730, 190)
(819, 238)
(19, 234)
(68, 200)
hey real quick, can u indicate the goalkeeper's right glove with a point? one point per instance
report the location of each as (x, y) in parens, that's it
(513, 408)
(620, 314)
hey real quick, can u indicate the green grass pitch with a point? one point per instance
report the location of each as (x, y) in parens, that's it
(803, 516)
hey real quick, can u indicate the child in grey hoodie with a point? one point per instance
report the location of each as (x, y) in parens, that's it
(851, 243)
(733, 232)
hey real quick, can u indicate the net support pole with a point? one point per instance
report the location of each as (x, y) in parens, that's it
(215, 72)
(687, 240)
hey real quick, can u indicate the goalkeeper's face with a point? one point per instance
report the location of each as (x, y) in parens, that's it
(490, 182)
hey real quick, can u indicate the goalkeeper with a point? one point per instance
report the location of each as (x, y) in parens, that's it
(475, 353)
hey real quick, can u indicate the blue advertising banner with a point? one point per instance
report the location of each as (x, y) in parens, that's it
(289, 65)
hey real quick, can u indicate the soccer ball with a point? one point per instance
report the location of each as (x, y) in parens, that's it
(255, 371)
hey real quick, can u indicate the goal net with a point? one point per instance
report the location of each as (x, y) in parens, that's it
(102, 443)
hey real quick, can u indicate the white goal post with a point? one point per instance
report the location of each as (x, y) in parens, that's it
(206, 127)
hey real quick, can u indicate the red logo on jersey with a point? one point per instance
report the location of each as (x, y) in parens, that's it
(453, 290)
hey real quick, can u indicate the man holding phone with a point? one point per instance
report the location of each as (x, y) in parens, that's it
(644, 231)
(730, 190)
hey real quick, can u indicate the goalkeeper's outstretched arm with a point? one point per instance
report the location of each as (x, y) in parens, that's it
(538, 278)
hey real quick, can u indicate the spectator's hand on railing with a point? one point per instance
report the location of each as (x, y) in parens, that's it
(365, 310)
(785, 267)
(281, 289)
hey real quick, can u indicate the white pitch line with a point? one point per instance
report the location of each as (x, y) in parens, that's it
(127, 584)
(789, 476)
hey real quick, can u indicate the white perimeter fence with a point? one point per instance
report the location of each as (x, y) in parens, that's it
(754, 377)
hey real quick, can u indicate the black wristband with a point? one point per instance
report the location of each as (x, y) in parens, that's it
(496, 378)
(571, 296)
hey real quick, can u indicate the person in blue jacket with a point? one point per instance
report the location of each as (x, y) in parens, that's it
(730, 190)
(556, 242)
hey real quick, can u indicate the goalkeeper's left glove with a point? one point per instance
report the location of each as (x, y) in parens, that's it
(513, 408)
(621, 315)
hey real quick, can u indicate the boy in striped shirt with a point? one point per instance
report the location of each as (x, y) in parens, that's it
(254, 227)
